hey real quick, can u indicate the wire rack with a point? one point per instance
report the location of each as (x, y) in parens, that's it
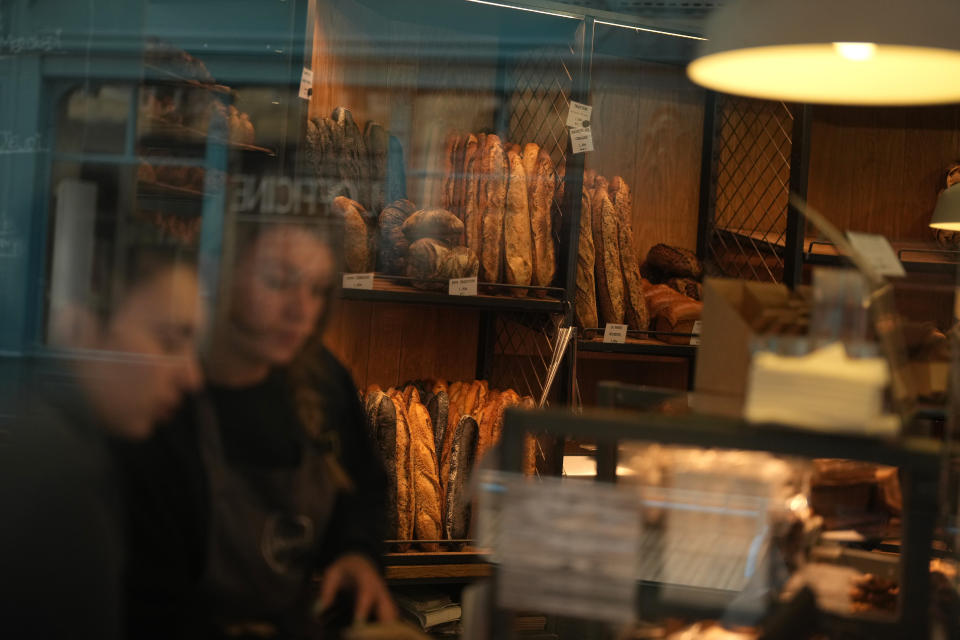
(751, 172)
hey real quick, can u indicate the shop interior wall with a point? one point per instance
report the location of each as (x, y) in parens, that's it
(419, 99)
(648, 128)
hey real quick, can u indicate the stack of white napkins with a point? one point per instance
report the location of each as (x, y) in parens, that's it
(825, 390)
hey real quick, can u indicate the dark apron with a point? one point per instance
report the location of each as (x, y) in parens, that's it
(265, 529)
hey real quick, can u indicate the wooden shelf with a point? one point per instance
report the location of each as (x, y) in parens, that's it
(462, 566)
(638, 347)
(387, 290)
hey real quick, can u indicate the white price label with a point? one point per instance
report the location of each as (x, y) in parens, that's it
(463, 286)
(695, 338)
(581, 139)
(579, 115)
(358, 281)
(306, 83)
(877, 251)
(614, 333)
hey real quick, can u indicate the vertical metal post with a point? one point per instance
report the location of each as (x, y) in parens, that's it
(920, 494)
(708, 183)
(799, 173)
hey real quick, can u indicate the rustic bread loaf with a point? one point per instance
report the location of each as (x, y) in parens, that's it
(457, 500)
(466, 183)
(585, 297)
(493, 200)
(449, 170)
(540, 188)
(371, 405)
(517, 237)
(675, 262)
(492, 416)
(530, 442)
(377, 142)
(393, 244)
(405, 472)
(679, 317)
(356, 234)
(472, 214)
(459, 262)
(687, 286)
(385, 425)
(439, 409)
(636, 314)
(410, 395)
(423, 260)
(608, 270)
(428, 518)
(438, 224)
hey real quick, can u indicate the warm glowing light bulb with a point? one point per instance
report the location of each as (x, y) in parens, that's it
(856, 51)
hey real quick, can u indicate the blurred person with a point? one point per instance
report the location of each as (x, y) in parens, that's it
(122, 369)
(266, 478)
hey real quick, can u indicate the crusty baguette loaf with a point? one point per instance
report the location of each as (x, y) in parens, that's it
(585, 297)
(636, 314)
(457, 506)
(540, 188)
(492, 415)
(510, 398)
(356, 241)
(609, 275)
(589, 179)
(449, 170)
(517, 235)
(468, 184)
(529, 442)
(410, 394)
(385, 421)
(405, 474)
(472, 212)
(459, 185)
(439, 408)
(428, 518)
(371, 405)
(494, 201)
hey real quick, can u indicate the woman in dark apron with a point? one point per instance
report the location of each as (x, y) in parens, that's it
(265, 480)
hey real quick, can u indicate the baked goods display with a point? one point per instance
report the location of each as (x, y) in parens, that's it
(349, 160)
(660, 296)
(430, 435)
(359, 235)
(503, 192)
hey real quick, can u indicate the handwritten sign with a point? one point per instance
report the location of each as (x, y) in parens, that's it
(306, 83)
(463, 286)
(614, 333)
(358, 281)
(34, 42)
(579, 115)
(581, 139)
(12, 142)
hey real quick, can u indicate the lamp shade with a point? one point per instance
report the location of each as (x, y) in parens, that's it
(947, 214)
(852, 52)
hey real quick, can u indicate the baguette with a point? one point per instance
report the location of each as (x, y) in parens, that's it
(609, 276)
(460, 184)
(530, 442)
(636, 314)
(449, 171)
(428, 518)
(371, 405)
(410, 395)
(467, 184)
(540, 188)
(585, 298)
(439, 409)
(405, 474)
(385, 420)
(492, 414)
(473, 216)
(494, 200)
(457, 506)
(510, 398)
(518, 242)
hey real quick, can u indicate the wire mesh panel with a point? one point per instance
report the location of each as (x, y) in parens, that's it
(523, 352)
(752, 150)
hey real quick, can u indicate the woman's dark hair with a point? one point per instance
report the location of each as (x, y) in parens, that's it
(142, 265)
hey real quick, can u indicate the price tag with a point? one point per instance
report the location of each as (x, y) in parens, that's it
(463, 286)
(306, 83)
(579, 115)
(581, 139)
(695, 338)
(358, 281)
(614, 333)
(877, 251)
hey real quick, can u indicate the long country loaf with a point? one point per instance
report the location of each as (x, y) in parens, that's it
(467, 183)
(427, 518)
(473, 216)
(636, 315)
(518, 242)
(585, 297)
(456, 520)
(405, 471)
(493, 200)
(540, 188)
(608, 269)
(385, 420)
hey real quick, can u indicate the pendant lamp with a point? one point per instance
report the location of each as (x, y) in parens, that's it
(947, 214)
(850, 52)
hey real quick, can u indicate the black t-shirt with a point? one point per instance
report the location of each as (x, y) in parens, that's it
(167, 492)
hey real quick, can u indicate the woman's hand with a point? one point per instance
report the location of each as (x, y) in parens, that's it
(356, 572)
